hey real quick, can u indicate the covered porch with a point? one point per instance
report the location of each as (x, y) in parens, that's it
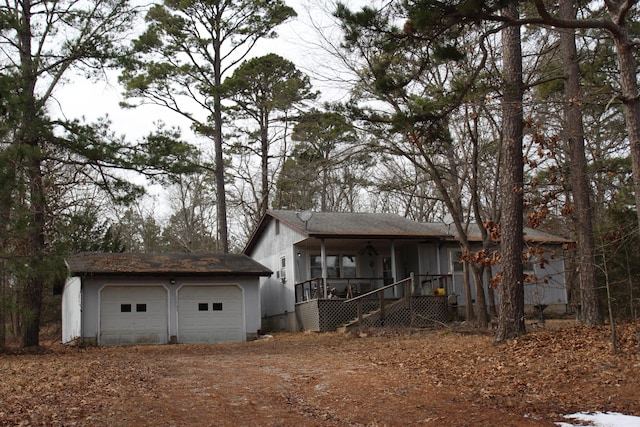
(417, 301)
(340, 266)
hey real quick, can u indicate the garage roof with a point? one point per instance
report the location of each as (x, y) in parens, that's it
(170, 263)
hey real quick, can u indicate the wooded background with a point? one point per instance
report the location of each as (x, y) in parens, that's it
(493, 112)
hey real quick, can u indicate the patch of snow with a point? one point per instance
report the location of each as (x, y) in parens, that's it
(603, 419)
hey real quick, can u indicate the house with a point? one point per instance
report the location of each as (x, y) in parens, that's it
(126, 298)
(329, 265)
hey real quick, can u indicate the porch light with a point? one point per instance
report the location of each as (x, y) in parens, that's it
(370, 250)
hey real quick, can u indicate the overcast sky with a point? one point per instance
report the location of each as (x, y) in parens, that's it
(299, 42)
(303, 40)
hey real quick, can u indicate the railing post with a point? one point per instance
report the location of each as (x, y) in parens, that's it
(381, 297)
(409, 286)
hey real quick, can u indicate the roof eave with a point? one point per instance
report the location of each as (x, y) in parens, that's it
(364, 236)
(171, 273)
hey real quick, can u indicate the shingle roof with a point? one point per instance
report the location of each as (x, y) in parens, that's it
(170, 263)
(358, 224)
(374, 225)
(530, 234)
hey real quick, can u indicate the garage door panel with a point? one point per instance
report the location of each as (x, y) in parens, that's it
(133, 315)
(210, 314)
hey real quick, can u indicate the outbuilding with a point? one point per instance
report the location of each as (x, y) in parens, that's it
(127, 298)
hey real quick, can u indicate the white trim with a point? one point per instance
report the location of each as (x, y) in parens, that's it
(72, 309)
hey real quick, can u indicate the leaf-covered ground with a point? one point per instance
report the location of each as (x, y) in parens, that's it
(451, 377)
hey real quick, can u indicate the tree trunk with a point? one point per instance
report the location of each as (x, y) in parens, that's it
(7, 183)
(630, 105)
(511, 317)
(482, 319)
(28, 137)
(264, 154)
(620, 13)
(221, 212)
(468, 306)
(491, 297)
(591, 313)
(3, 304)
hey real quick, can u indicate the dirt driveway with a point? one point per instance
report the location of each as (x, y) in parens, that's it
(379, 378)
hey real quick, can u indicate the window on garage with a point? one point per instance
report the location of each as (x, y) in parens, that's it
(141, 308)
(216, 306)
(203, 306)
(125, 308)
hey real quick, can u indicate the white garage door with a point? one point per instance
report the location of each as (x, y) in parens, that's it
(208, 314)
(133, 315)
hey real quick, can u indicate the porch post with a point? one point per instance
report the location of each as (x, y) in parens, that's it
(323, 255)
(393, 268)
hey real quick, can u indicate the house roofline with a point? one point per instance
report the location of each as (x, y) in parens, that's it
(546, 238)
(270, 215)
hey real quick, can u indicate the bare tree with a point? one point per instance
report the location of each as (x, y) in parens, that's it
(590, 312)
(614, 17)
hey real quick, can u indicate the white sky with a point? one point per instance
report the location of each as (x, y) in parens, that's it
(298, 42)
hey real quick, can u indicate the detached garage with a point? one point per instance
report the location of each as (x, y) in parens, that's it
(121, 299)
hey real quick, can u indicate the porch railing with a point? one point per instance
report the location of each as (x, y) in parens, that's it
(406, 285)
(433, 284)
(350, 287)
(343, 288)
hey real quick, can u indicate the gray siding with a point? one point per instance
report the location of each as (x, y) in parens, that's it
(277, 296)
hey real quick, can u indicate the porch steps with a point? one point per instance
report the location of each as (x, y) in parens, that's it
(394, 313)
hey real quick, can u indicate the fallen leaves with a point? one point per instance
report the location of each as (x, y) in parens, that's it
(381, 377)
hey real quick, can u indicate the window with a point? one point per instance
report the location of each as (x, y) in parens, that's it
(283, 269)
(216, 306)
(125, 308)
(528, 267)
(337, 266)
(203, 306)
(277, 226)
(141, 308)
(348, 266)
(456, 261)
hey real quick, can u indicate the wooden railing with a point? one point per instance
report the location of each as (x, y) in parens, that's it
(343, 288)
(349, 287)
(431, 284)
(407, 286)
